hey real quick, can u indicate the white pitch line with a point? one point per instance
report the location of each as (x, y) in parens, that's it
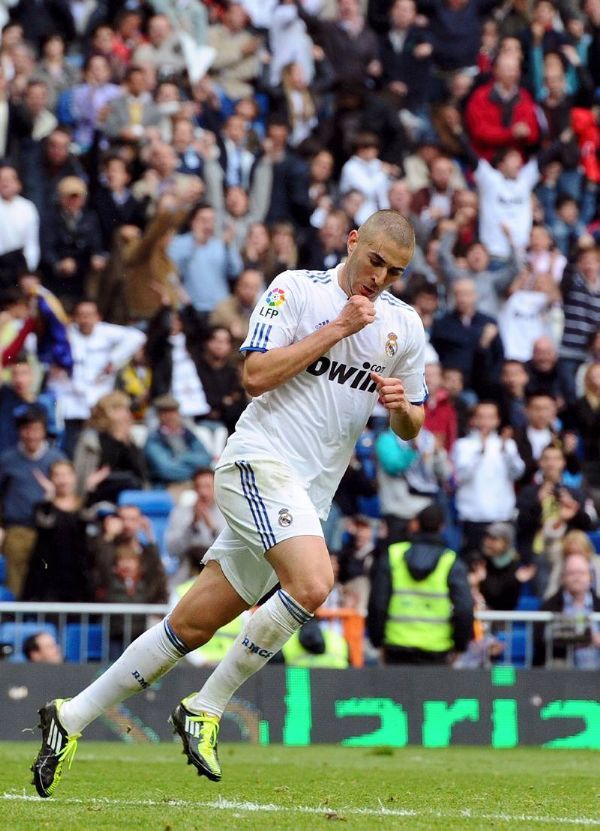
(222, 804)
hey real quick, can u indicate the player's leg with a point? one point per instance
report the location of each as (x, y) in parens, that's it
(212, 601)
(303, 567)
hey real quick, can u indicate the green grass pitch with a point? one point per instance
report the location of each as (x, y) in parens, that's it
(118, 787)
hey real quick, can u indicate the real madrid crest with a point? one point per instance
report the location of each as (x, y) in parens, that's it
(391, 344)
(285, 518)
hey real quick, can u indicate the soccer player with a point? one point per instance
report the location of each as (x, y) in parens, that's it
(322, 348)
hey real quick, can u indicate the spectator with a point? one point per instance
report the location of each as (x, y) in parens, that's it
(106, 452)
(504, 575)
(593, 357)
(60, 570)
(455, 27)
(128, 569)
(35, 105)
(45, 165)
(220, 380)
(405, 582)
(173, 452)
(235, 159)
(198, 253)
(365, 172)
(467, 339)
(72, 247)
(500, 115)
(434, 202)
(56, 72)
(99, 350)
(546, 511)
(327, 247)
(236, 64)
(20, 490)
(542, 369)
(195, 521)
(584, 417)
(356, 559)
(287, 196)
(481, 457)
(85, 105)
(162, 50)
(19, 224)
(133, 113)
(580, 289)
(234, 312)
(135, 380)
(574, 601)
(114, 203)
(19, 391)
(42, 648)
(539, 432)
(440, 415)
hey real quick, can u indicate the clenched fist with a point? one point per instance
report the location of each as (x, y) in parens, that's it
(391, 392)
(357, 313)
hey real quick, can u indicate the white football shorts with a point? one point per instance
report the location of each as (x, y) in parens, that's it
(264, 503)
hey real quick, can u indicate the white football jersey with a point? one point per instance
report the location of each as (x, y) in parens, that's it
(313, 421)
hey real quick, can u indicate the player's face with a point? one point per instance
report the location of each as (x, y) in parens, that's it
(373, 264)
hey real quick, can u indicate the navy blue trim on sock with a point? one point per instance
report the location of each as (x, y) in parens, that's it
(296, 611)
(175, 640)
(249, 500)
(261, 505)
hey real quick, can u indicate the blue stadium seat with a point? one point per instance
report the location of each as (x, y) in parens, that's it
(2, 569)
(72, 642)
(595, 538)
(528, 603)
(156, 505)
(16, 633)
(5, 594)
(517, 649)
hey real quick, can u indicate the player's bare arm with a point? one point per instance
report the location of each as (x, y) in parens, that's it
(406, 419)
(263, 371)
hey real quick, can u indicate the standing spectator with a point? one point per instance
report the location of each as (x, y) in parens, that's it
(20, 490)
(365, 172)
(584, 418)
(114, 203)
(349, 43)
(580, 289)
(234, 312)
(87, 102)
(99, 351)
(131, 114)
(35, 105)
(195, 521)
(162, 50)
(45, 165)
(235, 159)
(173, 452)
(16, 392)
(455, 27)
(467, 339)
(482, 457)
(220, 380)
(542, 369)
(60, 571)
(236, 63)
(327, 247)
(72, 247)
(356, 559)
(199, 254)
(538, 433)
(420, 609)
(546, 511)
(500, 115)
(504, 575)
(285, 177)
(57, 73)
(440, 415)
(19, 229)
(106, 453)
(434, 202)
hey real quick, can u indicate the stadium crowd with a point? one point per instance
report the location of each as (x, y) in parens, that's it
(163, 161)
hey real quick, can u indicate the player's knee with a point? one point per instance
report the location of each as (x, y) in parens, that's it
(192, 634)
(312, 595)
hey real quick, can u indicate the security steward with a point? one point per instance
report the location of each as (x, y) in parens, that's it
(420, 608)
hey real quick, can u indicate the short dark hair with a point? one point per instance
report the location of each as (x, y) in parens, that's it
(30, 644)
(430, 519)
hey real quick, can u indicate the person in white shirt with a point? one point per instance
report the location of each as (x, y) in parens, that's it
(505, 202)
(486, 466)
(365, 172)
(322, 348)
(19, 229)
(99, 350)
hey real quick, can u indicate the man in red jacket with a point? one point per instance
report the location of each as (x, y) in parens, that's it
(501, 113)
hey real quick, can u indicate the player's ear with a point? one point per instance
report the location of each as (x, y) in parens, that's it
(352, 240)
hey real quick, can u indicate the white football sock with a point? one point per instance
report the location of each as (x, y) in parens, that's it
(144, 661)
(269, 628)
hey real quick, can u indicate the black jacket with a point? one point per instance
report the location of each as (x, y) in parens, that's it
(529, 521)
(404, 66)
(59, 241)
(160, 350)
(422, 558)
(112, 215)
